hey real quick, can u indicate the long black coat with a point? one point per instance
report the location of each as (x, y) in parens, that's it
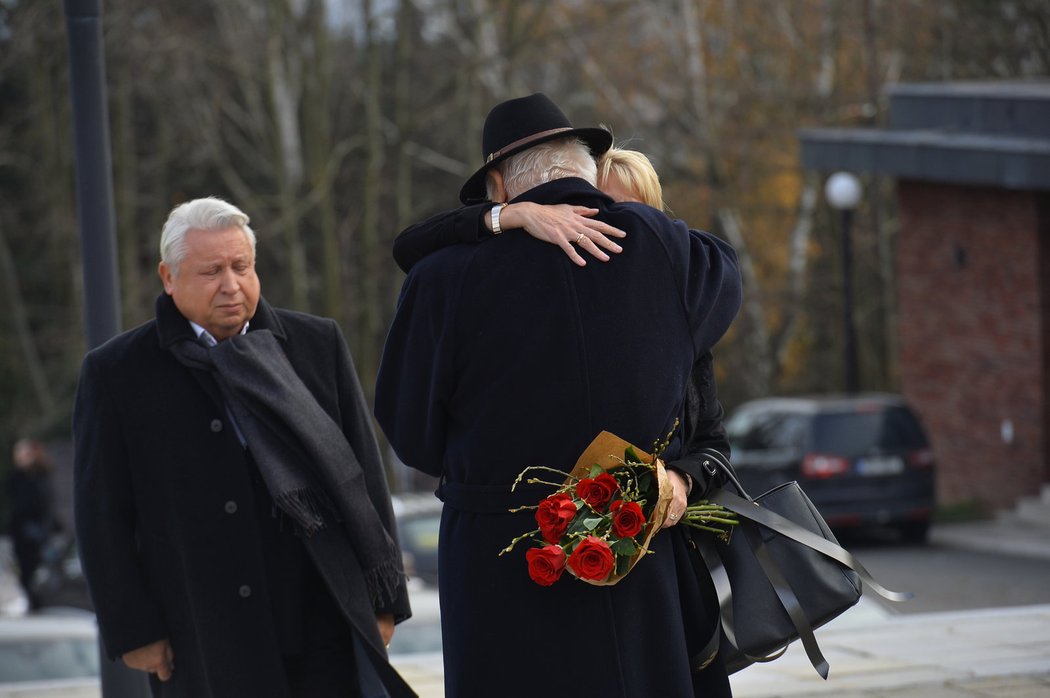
(506, 355)
(702, 425)
(165, 510)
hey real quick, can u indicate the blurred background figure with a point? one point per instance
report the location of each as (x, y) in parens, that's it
(32, 510)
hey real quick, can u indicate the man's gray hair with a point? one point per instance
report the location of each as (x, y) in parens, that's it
(209, 213)
(546, 162)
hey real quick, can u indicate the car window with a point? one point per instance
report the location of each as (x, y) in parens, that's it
(860, 433)
(767, 430)
(901, 429)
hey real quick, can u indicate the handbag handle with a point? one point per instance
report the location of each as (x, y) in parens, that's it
(714, 462)
(788, 528)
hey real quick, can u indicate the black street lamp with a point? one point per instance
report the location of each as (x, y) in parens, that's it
(842, 192)
(87, 84)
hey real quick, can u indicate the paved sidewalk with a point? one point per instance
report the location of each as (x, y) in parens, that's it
(988, 653)
(1002, 652)
(993, 652)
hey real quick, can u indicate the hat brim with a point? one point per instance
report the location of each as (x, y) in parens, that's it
(597, 139)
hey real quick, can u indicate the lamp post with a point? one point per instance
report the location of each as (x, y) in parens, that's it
(87, 82)
(842, 192)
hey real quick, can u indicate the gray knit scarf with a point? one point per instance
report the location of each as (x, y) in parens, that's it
(308, 466)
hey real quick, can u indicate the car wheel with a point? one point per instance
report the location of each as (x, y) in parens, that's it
(914, 531)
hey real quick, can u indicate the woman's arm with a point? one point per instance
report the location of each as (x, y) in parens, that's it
(448, 228)
(703, 428)
(563, 225)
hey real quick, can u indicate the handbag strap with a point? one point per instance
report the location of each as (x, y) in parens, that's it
(785, 527)
(788, 600)
(724, 592)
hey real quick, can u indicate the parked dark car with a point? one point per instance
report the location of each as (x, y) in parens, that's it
(418, 522)
(864, 460)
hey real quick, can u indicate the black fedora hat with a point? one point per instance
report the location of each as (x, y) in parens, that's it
(521, 123)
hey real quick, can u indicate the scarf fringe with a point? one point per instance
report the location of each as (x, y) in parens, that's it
(306, 506)
(383, 582)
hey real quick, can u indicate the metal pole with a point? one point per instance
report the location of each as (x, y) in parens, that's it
(87, 73)
(98, 240)
(852, 377)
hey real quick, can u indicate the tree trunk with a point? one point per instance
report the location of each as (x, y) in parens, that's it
(19, 323)
(759, 377)
(320, 152)
(368, 249)
(885, 340)
(284, 71)
(403, 119)
(124, 174)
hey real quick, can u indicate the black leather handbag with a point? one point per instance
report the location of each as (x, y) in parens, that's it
(781, 575)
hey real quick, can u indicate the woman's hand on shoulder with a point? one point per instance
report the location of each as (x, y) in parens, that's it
(567, 226)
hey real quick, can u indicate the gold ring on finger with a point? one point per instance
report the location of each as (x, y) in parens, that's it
(577, 241)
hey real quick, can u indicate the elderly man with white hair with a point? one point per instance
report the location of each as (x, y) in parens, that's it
(506, 355)
(232, 511)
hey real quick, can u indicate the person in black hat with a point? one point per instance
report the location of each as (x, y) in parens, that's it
(506, 355)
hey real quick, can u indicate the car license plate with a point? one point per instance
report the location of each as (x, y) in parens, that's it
(880, 465)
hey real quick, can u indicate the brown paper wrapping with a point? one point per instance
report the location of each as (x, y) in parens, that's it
(606, 450)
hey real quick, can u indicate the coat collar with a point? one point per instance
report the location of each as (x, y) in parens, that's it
(173, 327)
(567, 190)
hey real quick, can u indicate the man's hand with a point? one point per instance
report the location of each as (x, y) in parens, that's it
(676, 509)
(155, 658)
(385, 621)
(564, 225)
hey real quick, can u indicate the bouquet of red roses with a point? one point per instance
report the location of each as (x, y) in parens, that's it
(600, 520)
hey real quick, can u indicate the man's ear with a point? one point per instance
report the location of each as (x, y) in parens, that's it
(494, 180)
(166, 276)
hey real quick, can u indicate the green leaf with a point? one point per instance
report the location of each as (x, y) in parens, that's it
(630, 455)
(583, 524)
(595, 471)
(625, 546)
(591, 522)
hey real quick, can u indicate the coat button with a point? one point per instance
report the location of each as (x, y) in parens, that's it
(216, 425)
(230, 507)
(245, 591)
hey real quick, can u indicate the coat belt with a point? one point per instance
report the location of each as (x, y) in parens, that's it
(490, 499)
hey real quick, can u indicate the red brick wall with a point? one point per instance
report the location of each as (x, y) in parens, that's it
(971, 308)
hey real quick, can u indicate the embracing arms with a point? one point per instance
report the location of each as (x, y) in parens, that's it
(560, 224)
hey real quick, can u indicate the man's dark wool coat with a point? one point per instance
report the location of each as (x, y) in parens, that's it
(167, 517)
(504, 355)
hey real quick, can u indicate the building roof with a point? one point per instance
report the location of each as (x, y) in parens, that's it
(975, 133)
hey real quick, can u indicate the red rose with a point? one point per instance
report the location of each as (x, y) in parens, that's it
(553, 516)
(597, 491)
(592, 559)
(628, 518)
(546, 564)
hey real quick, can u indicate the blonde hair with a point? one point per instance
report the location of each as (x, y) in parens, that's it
(635, 172)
